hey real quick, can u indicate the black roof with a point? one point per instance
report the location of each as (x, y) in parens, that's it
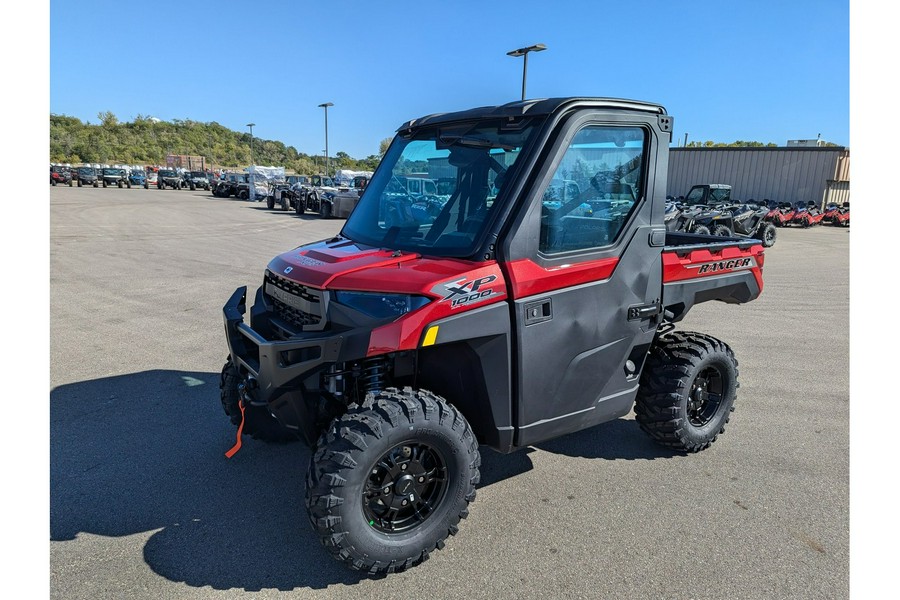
(537, 107)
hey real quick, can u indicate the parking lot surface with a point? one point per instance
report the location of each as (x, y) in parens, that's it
(145, 505)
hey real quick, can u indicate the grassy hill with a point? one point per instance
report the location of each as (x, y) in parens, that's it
(148, 141)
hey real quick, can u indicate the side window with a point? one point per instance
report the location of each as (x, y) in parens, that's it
(594, 189)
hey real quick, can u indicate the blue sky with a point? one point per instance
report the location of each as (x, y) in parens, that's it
(766, 70)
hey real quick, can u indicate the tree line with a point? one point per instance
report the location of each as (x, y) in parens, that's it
(147, 141)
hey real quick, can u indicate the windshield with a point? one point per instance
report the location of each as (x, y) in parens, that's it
(85, 171)
(434, 192)
(113, 172)
(168, 174)
(198, 174)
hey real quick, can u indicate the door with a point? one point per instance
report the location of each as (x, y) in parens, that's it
(586, 285)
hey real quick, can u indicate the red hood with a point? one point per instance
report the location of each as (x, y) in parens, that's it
(346, 265)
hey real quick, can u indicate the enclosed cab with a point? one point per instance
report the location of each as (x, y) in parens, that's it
(533, 293)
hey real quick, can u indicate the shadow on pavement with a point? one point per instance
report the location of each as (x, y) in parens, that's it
(144, 452)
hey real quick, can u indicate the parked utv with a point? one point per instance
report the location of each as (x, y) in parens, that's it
(87, 176)
(170, 178)
(60, 175)
(114, 177)
(233, 184)
(137, 178)
(506, 320)
(316, 195)
(197, 179)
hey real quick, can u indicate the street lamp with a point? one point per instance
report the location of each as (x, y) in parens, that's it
(250, 125)
(325, 105)
(523, 52)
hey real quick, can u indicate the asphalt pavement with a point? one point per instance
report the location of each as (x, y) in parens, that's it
(145, 505)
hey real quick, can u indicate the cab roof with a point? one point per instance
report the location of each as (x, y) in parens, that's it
(536, 107)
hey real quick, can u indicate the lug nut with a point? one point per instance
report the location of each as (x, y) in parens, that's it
(403, 467)
(421, 479)
(404, 503)
(387, 490)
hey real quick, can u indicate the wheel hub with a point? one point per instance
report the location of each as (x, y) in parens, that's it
(705, 396)
(404, 487)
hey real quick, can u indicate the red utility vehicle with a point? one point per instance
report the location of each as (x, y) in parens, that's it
(506, 314)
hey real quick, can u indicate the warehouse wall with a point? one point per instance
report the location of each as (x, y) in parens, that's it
(780, 174)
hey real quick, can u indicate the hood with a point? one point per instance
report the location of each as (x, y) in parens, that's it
(342, 264)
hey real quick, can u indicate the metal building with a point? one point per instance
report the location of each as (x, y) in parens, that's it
(797, 174)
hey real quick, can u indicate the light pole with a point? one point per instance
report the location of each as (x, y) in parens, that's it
(523, 52)
(250, 125)
(325, 105)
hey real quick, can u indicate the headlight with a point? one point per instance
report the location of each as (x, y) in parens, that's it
(380, 306)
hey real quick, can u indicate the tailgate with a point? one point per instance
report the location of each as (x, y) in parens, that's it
(700, 268)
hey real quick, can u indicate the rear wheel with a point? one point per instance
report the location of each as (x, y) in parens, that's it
(80, 184)
(701, 229)
(258, 422)
(766, 233)
(687, 390)
(53, 182)
(391, 479)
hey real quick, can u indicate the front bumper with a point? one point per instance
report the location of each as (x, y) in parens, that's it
(277, 366)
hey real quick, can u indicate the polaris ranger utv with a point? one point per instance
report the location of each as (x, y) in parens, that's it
(507, 320)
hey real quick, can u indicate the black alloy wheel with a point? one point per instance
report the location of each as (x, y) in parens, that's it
(404, 487)
(705, 397)
(391, 479)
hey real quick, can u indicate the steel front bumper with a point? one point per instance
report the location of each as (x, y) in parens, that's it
(277, 366)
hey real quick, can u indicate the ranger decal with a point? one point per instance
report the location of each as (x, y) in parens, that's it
(735, 264)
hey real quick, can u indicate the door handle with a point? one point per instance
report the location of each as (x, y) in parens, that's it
(538, 312)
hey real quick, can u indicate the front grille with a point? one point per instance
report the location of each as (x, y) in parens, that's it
(298, 305)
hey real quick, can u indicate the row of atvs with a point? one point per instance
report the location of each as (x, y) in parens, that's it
(750, 219)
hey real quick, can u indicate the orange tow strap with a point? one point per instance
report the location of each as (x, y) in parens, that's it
(237, 445)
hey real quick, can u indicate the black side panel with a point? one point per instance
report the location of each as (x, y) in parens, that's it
(731, 288)
(470, 366)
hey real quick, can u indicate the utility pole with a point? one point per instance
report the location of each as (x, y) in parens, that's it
(325, 105)
(523, 52)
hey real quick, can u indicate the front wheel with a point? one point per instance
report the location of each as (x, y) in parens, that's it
(299, 205)
(687, 390)
(325, 210)
(70, 183)
(767, 233)
(270, 202)
(391, 479)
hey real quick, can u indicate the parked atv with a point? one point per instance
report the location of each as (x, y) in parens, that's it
(830, 211)
(749, 220)
(783, 215)
(807, 216)
(842, 217)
